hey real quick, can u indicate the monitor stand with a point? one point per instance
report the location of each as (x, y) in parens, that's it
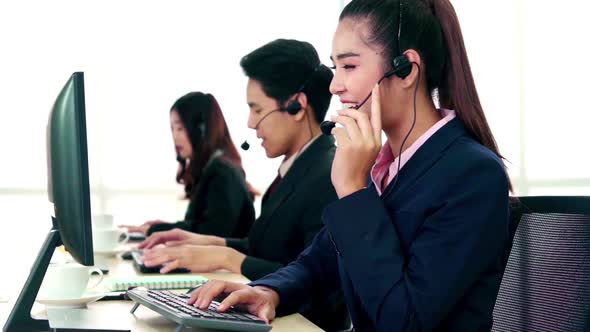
(20, 319)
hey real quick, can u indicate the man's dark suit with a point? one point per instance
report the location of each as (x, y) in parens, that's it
(289, 220)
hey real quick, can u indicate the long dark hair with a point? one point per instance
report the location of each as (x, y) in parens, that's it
(203, 120)
(430, 27)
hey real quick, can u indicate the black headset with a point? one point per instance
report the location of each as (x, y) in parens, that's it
(204, 123)
(201, 130)
(294, 106)
(200, 135)
(401, 67)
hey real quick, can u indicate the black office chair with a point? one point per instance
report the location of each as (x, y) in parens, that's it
(546, 284)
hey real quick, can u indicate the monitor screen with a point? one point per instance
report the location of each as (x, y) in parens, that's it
(67, 167)
(69, 191)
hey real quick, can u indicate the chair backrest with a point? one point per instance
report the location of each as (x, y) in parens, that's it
(546, 284)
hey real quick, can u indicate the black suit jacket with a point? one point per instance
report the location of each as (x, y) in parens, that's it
(289, 220)
(222, 205)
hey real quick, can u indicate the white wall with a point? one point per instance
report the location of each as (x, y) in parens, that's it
(529, 59)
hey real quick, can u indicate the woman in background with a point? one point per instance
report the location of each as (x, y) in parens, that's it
(210, 169)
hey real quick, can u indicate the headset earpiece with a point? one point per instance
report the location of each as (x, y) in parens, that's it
(203, 119)
(402, 67)
(293, 107)
(202, 130)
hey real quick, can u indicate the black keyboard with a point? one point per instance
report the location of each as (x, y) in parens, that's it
(175, 307)
(138, 262)
(136, 237)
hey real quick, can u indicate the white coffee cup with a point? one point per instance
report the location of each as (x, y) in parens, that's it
(68, 280)
(108, 239)
(103, 221)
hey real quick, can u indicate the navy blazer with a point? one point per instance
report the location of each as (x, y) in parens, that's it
(424, 256)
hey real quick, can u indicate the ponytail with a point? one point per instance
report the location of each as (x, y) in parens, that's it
(457, 90)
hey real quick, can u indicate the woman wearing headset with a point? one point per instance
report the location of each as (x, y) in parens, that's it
(210, 168)
(419, 247)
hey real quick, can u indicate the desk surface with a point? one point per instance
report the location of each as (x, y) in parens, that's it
(145, 320)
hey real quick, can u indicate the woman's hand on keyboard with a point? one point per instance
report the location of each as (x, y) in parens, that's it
(260, 301)
(176, 237)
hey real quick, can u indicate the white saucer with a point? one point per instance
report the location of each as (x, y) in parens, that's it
(112, 252)
(88, 297)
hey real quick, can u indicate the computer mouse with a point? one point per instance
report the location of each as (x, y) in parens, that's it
(103, 270)
(127, 255)
(136, 237)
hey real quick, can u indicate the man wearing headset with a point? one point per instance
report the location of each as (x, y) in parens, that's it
(288, 96)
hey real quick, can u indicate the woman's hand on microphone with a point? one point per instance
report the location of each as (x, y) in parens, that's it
(358, 143)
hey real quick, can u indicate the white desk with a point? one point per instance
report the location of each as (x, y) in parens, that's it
(146, 320)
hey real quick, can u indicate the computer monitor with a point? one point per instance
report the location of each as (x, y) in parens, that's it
(69, 191)
(67, 167)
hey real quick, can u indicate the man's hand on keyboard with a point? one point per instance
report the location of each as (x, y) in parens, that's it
(143, 228)
(260, 301)
(177, 237)
(193, 258)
